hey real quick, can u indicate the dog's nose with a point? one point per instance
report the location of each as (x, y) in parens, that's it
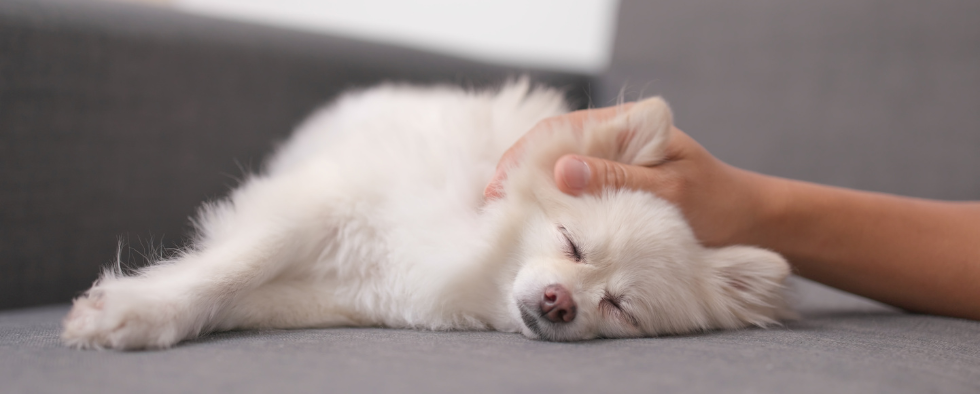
(557, 304)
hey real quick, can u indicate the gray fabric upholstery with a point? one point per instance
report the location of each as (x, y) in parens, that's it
(874, 95)
(119, 119)
(841, 345)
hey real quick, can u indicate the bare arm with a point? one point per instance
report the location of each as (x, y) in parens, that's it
(919, 255)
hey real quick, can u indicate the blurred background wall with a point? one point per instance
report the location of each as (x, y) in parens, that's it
(567, 35)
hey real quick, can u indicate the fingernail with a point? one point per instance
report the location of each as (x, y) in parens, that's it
(575, 173)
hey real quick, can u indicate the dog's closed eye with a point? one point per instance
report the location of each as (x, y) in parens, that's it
(612, 306)
(571, 249)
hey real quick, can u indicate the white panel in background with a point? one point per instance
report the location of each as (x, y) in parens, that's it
(572, 35)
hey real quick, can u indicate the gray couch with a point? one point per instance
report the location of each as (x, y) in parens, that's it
(116, 120)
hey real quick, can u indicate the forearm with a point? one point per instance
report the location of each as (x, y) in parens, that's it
(919, 255)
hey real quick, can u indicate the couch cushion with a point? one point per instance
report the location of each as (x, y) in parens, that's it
(842, 345)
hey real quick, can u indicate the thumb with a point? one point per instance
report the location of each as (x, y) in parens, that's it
(576, 175)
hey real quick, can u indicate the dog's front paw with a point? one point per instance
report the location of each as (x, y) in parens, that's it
(125, 315)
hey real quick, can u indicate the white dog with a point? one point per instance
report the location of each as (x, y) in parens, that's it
(372, 215)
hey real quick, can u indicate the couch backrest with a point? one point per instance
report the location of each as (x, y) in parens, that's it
(876, 95)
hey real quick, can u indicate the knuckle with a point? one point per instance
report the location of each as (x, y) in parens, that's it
(620, 175)
(612, 175)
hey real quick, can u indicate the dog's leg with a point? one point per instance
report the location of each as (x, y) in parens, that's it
(173, 300)
(261, 233)
(295, 303)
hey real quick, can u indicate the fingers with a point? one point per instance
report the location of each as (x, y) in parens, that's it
(573, 120)
(578, 175)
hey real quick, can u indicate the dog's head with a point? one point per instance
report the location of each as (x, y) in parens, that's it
(623, 263)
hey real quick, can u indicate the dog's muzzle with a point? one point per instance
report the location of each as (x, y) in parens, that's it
(552, 312)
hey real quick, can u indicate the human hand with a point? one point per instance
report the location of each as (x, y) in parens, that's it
(723, 204)
(575, 122)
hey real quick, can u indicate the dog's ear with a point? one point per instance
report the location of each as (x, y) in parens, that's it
(750, 283)
(638, 136)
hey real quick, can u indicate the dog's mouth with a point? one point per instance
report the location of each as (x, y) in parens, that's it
(532, 322)
(543, 329)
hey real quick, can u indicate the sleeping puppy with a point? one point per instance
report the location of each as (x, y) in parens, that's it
(372, 214)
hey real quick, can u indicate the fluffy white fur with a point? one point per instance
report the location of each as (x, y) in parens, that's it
(372, 215)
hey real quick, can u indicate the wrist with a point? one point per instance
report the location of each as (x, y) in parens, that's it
(765, 204)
